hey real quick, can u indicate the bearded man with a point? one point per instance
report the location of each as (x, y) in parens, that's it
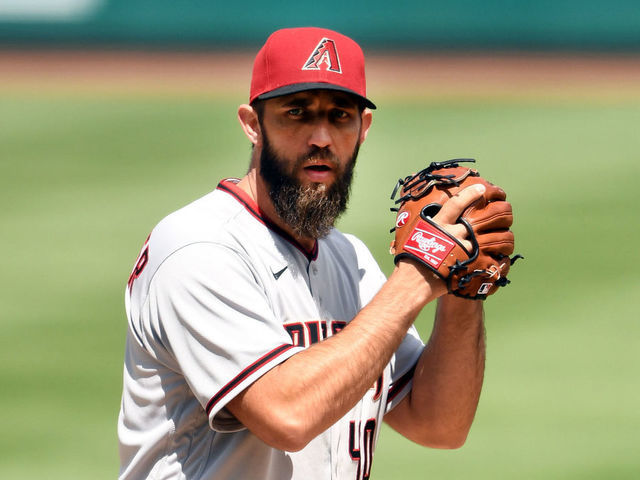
(265, 344)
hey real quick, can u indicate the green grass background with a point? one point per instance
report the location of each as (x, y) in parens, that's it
(84, 179)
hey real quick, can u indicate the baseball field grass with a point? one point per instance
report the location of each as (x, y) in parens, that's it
(84, 178)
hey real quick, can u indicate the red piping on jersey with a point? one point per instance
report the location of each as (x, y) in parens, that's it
(229, 186)
(402, 382)
(245, 373)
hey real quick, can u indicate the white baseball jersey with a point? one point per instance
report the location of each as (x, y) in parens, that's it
(219, 296)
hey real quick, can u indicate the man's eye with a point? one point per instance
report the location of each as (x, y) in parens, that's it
(340, 114)
(296, 112)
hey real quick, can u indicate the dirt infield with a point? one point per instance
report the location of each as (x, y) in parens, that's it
(395, 75)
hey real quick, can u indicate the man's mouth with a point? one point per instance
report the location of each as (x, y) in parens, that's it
(319, 172)
(318, 168)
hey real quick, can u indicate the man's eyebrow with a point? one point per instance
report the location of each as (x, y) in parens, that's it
(297, 102)
(344, 101)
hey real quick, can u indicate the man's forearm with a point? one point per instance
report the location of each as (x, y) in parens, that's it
(302, 392)
(448, 378)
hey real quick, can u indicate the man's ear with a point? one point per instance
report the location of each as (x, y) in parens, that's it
(367, 118)
(248, 119)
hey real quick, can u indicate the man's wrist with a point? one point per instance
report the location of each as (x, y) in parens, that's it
(420, 280)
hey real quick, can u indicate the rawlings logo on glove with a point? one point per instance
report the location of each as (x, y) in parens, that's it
(429, 244)
(474, 272)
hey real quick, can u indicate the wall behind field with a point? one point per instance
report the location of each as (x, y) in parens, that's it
(571, 25)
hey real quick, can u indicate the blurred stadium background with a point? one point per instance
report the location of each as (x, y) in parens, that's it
(114, 113)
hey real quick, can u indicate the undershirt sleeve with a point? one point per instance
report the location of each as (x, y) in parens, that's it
(208, 311)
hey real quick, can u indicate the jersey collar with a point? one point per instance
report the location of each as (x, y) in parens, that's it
(229, 185)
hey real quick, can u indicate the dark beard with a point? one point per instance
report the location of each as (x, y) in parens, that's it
(312, 210)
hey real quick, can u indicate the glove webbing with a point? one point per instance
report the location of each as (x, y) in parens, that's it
(429, 179)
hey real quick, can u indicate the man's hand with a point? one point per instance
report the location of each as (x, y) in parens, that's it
(448, 216)
(455, 223)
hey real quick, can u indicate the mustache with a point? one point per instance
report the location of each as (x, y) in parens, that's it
(318, 153)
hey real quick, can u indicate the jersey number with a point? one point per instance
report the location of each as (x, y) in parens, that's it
(363, 453)
(143, 258)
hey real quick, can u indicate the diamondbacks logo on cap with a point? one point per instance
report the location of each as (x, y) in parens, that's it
(324, 56)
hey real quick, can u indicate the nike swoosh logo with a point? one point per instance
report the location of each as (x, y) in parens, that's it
(276, 275)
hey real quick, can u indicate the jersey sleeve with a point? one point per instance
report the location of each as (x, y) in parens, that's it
(403, 364)
(208, 312)
(371, 277)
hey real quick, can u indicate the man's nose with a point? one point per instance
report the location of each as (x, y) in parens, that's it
(320, 135)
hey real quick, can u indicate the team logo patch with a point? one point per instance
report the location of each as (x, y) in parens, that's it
(324, 56)
(402, 219)
(429, 244)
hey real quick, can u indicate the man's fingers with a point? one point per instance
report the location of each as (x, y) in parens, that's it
(461, 234)
(451, 210)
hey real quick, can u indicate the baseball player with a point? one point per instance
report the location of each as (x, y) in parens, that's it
(262, 342)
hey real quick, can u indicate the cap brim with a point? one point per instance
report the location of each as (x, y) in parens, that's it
(301, 87)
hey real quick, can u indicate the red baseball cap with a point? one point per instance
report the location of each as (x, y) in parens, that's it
(297, 59)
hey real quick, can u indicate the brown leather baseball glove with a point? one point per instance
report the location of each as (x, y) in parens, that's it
(474, 273)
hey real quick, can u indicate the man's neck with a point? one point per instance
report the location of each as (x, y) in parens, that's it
(256, 188)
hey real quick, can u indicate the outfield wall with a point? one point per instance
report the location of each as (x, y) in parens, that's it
(574, 25)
